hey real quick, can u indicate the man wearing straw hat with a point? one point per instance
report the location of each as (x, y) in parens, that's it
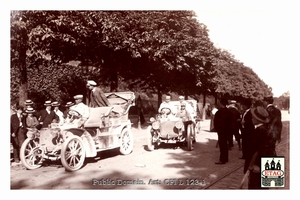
(47, 116)
(66, 112)
(31, 120)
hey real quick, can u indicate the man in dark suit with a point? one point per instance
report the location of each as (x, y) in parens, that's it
(235, 126)
(17, 132)
(247, 128)
(275, 124)
(222, 124)
(47, 116)
(260, 146)
(97, 97)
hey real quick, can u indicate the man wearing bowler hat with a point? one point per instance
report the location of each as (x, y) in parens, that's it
(97, 97)
(260, 145)
(47, 116)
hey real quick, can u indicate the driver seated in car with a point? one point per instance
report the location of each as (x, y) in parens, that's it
(81, 109)
(166, 107)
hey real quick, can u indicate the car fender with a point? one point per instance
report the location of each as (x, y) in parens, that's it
(89, 144)
(121, 127)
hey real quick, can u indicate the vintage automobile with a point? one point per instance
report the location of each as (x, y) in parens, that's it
(167, 128)
(106, 128)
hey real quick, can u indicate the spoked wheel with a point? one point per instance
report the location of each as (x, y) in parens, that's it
(197, 127)
(150, 144)
(126, 141)
(194, 134)
(189, 137)
(73, 153)
(30, 154)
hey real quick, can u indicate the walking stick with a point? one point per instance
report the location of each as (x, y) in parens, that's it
(248, 170)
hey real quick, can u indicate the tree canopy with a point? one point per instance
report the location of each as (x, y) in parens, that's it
(153, 51)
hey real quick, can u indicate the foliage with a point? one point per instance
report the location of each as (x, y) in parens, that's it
(152, 51)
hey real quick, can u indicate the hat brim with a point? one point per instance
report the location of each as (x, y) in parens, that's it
(30, 111)
(257, 117)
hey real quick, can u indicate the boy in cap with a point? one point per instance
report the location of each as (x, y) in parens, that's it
(189, 107)
(47, 116)
(31, 120)
(97, 97)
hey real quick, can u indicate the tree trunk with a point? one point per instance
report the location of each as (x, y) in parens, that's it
(159, 98)
(23, 94)
(216, 99)
(114, 82)
(203, 108)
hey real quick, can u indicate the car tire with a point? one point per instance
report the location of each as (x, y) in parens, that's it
(73, 153)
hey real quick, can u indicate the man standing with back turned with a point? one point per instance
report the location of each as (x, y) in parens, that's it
(222, 124)
(97, 96)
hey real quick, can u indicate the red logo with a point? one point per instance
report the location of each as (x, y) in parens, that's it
(272, 173)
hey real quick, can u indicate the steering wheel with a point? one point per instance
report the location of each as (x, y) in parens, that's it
(165, 110)
(74, 113)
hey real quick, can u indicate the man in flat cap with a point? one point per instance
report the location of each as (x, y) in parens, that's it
(97, 97)
(166, 107)
(188, 105)
(82, 109)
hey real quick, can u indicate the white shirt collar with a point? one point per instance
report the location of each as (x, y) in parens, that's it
(258, 125)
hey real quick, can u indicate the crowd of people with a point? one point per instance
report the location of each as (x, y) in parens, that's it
(256, 126)
(257, 129)
(26, 119)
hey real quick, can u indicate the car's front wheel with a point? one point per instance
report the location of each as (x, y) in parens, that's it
(73, 153)
(150, 144)
(189, 137)
(30, 154)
